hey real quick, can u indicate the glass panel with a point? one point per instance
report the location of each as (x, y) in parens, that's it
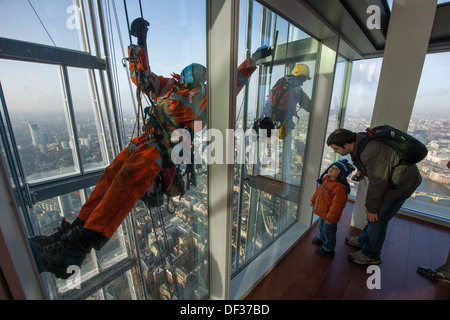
(361, 100)
(11, 160)
(337, 104)
(93, 148)
(430, 123)
(362, 93)
(53, 22)
(171, 260)
(172, 240)
(120, 288)
(37, 106)
(268, 176)
(48, 215)
(173, 248)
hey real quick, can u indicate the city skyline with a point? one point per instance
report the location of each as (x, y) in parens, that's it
(420, 126)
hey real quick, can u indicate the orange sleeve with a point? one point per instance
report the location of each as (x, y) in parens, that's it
(245, 70)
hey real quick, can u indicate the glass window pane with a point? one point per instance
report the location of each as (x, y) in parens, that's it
(120, 288)
(172, 240)
(52, 22)
(48, 215)
(337, 104)
(168, 244)
(361, 100)
(172, 246)
(362, 93)
(37, 106)
(88, 117)
(430, 123)
(268, 171)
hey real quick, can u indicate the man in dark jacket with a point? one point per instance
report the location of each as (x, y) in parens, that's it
(390, 185)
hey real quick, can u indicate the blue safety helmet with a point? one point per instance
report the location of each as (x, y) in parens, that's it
(194, 72)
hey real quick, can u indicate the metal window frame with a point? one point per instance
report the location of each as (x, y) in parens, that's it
(35, 52)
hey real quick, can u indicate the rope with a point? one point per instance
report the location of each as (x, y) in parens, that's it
(122, 49)
(42, 23)
(115, 73)
(159, 249)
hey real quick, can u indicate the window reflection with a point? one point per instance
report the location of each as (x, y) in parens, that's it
(279, 93)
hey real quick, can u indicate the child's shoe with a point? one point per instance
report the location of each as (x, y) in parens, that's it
(325, 252)
(317, 241)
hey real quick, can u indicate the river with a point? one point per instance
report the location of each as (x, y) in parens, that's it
(426, 204)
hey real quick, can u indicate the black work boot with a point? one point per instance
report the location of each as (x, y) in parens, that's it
(65, 227)
(66, 252)
(43, 240)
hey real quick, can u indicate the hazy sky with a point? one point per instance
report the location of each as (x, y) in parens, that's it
(433, 91)
(176, 38)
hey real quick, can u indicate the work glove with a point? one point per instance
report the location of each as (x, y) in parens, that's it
(138, 29)
(261, 53)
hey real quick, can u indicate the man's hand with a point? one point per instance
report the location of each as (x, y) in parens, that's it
(358, 176)
(372, 217)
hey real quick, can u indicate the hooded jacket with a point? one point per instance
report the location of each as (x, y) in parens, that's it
(387, 179)
(329, 199)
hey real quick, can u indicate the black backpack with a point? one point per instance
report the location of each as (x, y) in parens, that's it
(410, 150)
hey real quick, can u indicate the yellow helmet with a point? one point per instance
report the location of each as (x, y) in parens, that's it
(301, 69)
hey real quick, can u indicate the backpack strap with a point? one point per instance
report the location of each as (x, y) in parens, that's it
(362, 145)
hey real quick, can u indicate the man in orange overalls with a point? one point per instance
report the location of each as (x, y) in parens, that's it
(180, 101)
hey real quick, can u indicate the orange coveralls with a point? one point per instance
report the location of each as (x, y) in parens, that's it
(134, 169)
